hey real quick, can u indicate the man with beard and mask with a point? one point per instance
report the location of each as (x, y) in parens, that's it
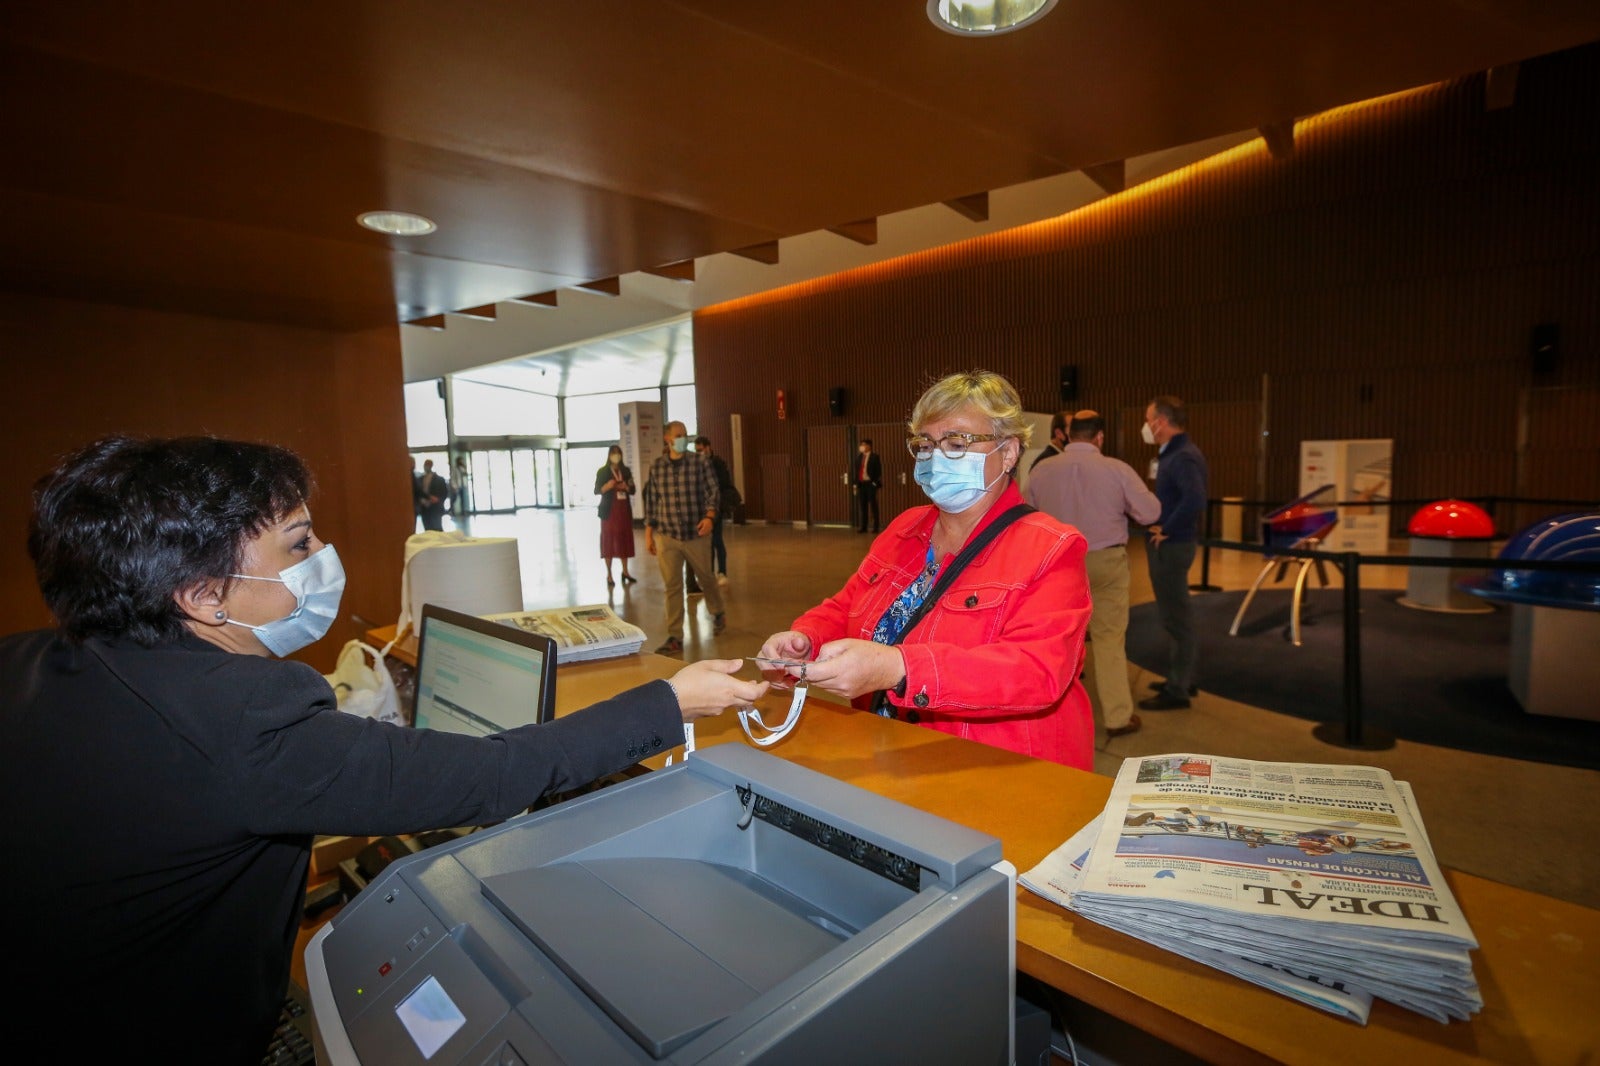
(166, 768)
(966, 616)
(1181, 487)
(681, 501)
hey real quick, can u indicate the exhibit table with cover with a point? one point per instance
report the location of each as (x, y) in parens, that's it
(1536, 964)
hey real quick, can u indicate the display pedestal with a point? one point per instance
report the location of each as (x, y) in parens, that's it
(1554, 669)
(1433, 588)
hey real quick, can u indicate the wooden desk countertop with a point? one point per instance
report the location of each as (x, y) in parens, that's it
(1538, 965)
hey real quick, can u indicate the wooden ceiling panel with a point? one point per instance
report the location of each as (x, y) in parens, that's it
(223, 151)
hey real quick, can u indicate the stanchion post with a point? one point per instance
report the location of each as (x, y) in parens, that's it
(1355, 733)
(1350, 563)
(1205, 555)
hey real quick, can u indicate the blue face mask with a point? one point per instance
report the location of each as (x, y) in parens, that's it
(317, 584)
(953, 484)
(681, 445)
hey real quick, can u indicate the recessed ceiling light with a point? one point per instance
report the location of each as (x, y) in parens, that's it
(985, 18)
(398, 223)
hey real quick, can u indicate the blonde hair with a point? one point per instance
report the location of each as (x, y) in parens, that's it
(994, 397)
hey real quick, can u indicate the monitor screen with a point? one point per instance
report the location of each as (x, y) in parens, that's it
(478, 677)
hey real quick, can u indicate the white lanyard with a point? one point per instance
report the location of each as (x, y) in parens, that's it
(773, 734)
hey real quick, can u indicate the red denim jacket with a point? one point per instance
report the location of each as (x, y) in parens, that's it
(997, 659)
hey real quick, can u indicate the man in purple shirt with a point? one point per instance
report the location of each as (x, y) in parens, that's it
(1098, 494)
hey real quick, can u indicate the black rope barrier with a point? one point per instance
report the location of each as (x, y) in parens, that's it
(1355, 733)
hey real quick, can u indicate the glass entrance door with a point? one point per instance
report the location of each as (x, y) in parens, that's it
(505, 479)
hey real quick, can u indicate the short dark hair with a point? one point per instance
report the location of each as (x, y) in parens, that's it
(122, 524)
(702, 440)
(1171, 408)
(867, 441)
(1060, 420)
(1086, 425)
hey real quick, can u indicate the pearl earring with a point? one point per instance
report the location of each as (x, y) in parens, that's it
(221, 615)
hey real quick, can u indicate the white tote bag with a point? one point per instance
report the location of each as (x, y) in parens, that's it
(365, 690)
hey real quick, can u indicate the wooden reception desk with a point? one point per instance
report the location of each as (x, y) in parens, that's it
(1538, 965)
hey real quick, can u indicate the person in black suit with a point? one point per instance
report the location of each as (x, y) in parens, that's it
(868, 478)
(169, 768)
(434, 493)
(1058, 438)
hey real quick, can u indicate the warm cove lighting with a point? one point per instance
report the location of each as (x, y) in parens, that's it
(397, 223)
(983, 18)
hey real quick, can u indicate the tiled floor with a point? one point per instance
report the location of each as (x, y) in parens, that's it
(1518, 822)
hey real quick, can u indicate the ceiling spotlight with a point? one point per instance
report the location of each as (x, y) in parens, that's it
(397, 223)
(985, 18)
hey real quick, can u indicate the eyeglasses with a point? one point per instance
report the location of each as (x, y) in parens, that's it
(954, 445)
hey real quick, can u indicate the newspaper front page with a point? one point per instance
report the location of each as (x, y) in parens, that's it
(1315, 880)
(593, 631)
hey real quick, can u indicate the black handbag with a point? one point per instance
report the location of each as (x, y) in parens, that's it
(880, 699)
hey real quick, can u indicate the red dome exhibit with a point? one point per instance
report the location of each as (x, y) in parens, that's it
(1453, 520)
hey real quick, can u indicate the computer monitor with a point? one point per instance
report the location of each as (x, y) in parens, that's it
(478, 677)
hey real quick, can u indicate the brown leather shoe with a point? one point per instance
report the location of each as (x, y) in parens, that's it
(1123, 730)
(673, 646)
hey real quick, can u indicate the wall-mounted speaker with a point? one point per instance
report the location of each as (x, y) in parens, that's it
(1069, 384)
(836, 402)
(1545, 348)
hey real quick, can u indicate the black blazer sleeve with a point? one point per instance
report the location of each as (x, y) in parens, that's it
(319, 770)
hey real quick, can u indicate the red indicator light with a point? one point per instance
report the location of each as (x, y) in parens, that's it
(383, 971)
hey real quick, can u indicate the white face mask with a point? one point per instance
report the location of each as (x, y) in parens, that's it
(1147, 433)
(317, 584)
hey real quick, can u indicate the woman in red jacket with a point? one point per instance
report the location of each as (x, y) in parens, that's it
(995, 655)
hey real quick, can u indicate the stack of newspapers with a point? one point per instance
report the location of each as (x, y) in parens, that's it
(593, 631)
(1316, 881)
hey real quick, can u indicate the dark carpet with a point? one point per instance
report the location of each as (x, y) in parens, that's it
(1427, 676)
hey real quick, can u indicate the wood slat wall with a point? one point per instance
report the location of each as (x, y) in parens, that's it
(89, 370)
(1384, 279)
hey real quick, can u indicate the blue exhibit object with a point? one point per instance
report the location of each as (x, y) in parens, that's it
(1571, 538)
(1308, 516)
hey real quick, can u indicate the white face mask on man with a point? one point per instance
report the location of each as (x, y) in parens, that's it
(1148, 433)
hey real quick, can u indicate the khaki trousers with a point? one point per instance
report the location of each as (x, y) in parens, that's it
(671, 554)
(1108, 632)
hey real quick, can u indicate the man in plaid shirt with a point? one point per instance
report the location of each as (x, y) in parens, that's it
(680, 508)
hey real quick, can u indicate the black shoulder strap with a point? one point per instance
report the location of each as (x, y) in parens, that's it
(959, 563)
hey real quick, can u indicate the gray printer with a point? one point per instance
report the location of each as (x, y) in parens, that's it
(732, 908)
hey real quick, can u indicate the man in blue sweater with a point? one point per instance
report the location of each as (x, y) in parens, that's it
(1181, 488)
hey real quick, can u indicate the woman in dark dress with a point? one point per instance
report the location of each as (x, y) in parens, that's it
(614, 485)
